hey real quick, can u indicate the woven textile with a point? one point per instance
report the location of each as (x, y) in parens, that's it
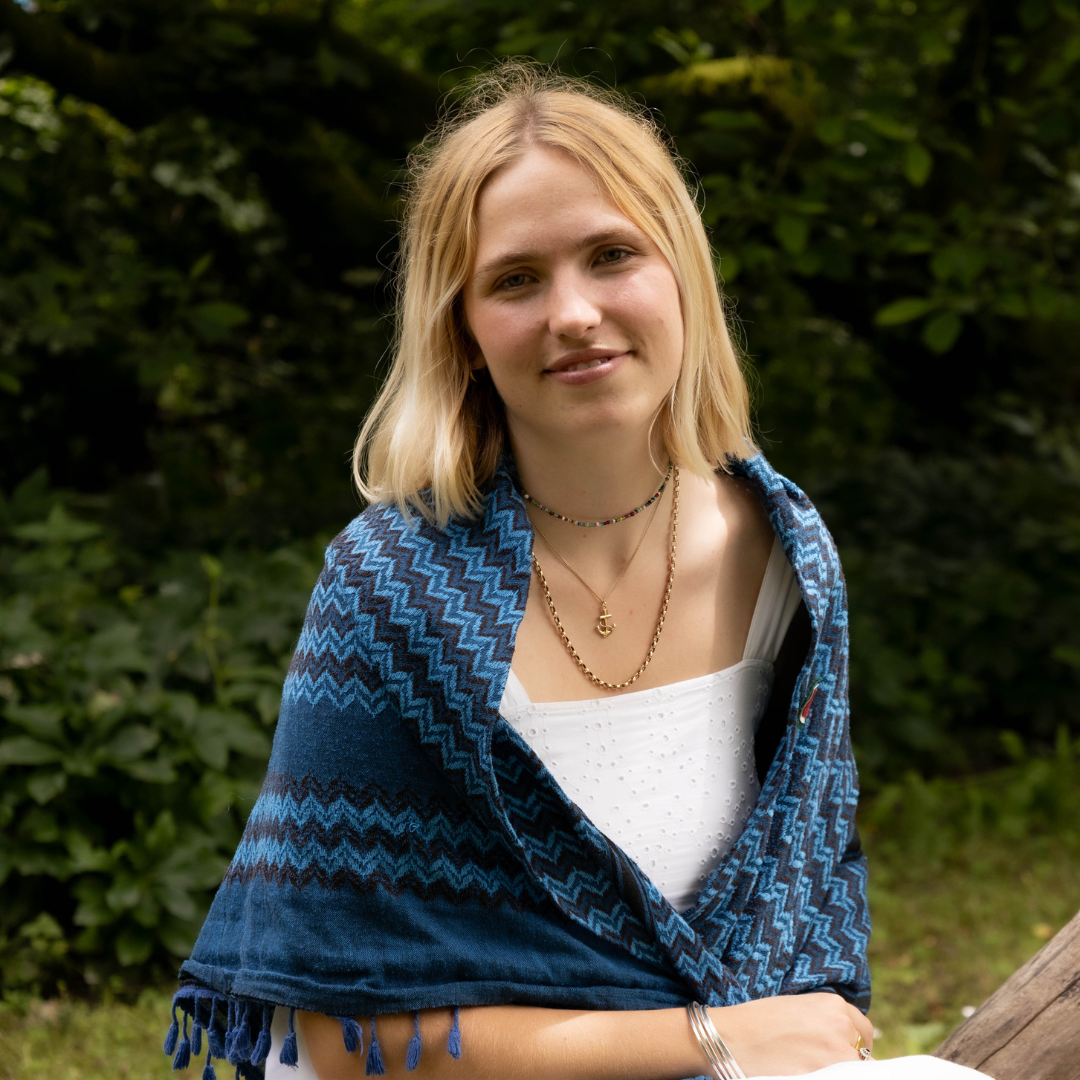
(408, 850)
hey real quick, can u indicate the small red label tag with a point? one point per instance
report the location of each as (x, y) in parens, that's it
(804, 712)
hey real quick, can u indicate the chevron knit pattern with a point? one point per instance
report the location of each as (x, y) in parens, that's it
(409, 851)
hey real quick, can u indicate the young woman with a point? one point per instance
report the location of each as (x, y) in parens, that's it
(562, 784)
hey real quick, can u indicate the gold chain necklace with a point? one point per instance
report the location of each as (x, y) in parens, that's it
(605, 623)
(660, 622)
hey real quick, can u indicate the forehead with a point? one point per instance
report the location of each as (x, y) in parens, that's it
(542, 193)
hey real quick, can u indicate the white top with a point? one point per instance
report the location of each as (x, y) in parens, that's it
(668, 773)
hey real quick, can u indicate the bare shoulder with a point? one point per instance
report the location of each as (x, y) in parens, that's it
(745, 515)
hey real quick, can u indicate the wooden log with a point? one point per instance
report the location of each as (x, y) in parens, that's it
(1029, 1029)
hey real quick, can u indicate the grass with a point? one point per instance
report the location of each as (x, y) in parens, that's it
(968, 880)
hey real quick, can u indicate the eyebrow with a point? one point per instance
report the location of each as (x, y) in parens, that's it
(593, 239)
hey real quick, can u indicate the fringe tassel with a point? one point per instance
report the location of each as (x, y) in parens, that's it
(453, 1041)
(173, 1034)
(196, 1028)
(208, 1069)
(183, 1052)
(374, 1066)
(242, 1045)
(352, 1033)
(415, 1045)
(288, 1055)
(262, 1044)
(215, 1035)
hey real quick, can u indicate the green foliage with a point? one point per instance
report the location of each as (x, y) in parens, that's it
(155, 342)
(136, 722)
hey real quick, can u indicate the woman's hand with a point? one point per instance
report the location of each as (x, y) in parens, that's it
(784, 1036)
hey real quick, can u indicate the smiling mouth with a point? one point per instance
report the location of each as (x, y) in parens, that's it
(584, 365)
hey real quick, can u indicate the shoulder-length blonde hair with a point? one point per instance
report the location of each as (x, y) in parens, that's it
(433, 437)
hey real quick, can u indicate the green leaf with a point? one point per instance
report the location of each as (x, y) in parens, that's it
(158, 770)
(46, 786)
(941, 332)
(128, 743)
(362, 277)
(889, 127)
(134, 945)
(214, 320)
(902, 311)
(918, 162)
(43, 721)
(22, 750)
(57, 528)
(792, 232)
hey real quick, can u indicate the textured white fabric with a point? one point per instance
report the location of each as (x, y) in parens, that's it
(920, 1067)
(668, 773)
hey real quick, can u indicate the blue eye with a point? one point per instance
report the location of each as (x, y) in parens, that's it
(514, 281)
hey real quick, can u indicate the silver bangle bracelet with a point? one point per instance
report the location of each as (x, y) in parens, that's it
(715, 1050)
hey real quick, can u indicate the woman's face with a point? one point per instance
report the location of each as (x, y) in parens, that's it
(575, 313)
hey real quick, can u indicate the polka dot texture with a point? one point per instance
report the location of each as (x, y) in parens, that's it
(668, 773)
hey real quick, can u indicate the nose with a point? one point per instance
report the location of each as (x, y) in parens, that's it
(572, 311)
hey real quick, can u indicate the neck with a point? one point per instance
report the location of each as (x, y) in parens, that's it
(591, 479)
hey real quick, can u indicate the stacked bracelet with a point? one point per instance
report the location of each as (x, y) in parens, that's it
(718, 1054)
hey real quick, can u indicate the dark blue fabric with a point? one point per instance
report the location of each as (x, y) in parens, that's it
(408, 850)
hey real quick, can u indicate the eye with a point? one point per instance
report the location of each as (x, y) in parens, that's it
(514, 281)
(611, 256)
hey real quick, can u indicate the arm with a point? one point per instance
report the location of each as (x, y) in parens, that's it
(771, 1036)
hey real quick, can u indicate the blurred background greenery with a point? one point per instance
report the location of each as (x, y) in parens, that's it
(197, 207)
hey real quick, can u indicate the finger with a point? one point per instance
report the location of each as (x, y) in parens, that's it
(863, 1027)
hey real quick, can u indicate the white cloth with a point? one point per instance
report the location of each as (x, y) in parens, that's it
(918, 1067)
(668, 773)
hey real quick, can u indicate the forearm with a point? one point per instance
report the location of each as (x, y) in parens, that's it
(785, 1035)
(519, 1043)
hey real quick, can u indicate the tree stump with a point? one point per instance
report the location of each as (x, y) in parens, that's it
(1029, 1029)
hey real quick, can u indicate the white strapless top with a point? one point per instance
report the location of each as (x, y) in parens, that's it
(668, 773)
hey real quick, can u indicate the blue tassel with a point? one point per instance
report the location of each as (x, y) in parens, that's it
(208, 1069)
(415, 1045)
(352, 1033)
(230, 1028)
(288, 1055)
(241, 1047)
(262, 1048)
(375, 1066)
(183, 1052)
(173, 1034)
(214, 1040)
(453, 1041)
(196, 1038)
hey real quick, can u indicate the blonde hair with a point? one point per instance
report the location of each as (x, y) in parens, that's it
(433, 437)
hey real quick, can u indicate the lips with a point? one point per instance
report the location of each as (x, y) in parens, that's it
(585, 365)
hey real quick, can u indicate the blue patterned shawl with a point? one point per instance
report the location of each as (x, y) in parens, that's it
(409, 851)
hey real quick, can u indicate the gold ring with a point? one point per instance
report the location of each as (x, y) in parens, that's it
(861, 1048)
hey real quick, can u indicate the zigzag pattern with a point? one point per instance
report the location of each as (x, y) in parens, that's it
(337, 836)
(413, 626)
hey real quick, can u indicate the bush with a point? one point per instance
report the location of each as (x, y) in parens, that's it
(138, 704)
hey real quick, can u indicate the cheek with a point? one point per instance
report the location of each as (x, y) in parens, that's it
(654, 306)
(500, 332)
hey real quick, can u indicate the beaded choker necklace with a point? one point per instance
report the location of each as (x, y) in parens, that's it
(610, 521)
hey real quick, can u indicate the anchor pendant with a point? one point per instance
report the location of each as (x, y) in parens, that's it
(606, 623)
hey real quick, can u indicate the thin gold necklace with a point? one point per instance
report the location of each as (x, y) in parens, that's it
(605, 623)
(659, 624)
